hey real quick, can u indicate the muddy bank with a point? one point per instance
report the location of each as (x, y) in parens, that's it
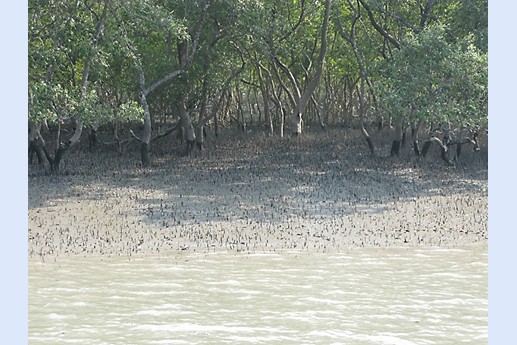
(320, 193)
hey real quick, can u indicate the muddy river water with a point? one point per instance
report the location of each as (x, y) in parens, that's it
(363, 296)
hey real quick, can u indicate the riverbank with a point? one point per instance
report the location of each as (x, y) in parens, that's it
(321, 193)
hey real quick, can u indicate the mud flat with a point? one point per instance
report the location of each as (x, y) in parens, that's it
(321, 193)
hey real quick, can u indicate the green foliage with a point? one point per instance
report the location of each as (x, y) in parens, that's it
(440, 74)
(432, 79)
(50, 102)
(470, 18)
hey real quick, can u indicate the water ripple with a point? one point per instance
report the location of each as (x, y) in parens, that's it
(384, 296)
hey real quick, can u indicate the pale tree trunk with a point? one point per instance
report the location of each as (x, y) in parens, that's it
(303, 99)
(146, 133)
(315, 103)
(278, 103)
(318, 112)
(256, 106)
(36, 143)
(282, 120)
(58, 135)
(414, 133)
(216, 125)
(270, 85)
(363, 74)
(240, 107)
(465, 137)
(250, 108)
(361, 116)
(188, 127)
(307, 94)
(472, 138)
(280, 107)
(200, 128)
(226, 108)
(185, 61)
(145, 140)
(293, 97)
(264, 89)
(215, 107)
(186, 121)
(444, 152)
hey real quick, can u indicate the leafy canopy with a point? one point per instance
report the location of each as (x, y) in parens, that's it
(432, 79)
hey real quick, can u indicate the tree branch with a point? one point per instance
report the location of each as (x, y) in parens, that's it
(293, 29)
(291, 78)
(135, 136)
(169, 131)
(162, 81)
(377, 27)
(403, 21)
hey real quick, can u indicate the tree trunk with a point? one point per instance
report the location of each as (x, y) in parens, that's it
(395, 145)
(117, 139)
(200, 133)
(36, 143)
(443, 150)
(460, 142)
(145, 141)
(250, 109)
(92, 138)
(362, 113)
(277, 100)
(264, 88)
(458, 151)
(200, 137)
(61, 148)
(216, 124)
(282, 121)
(146, 134)
(144, 154)
(58, 156)
(414, 134)
(404, 135)
(303, 99)
(186, 122)
(318, 112)
(359, 56)
(240, 108)
(58, 135)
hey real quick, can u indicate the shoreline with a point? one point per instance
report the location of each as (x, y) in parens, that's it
(290, 196)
